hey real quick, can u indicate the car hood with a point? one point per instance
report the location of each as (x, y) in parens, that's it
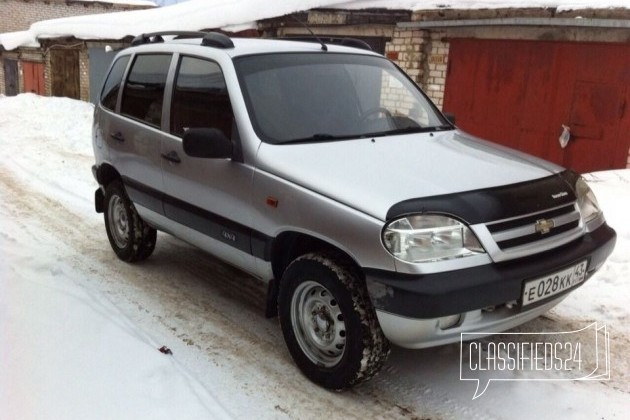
(371, 175)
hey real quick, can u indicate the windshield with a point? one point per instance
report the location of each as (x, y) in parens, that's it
(326, 96)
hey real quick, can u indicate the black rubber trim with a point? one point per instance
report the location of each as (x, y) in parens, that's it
(487, 205)
(210, 224)
(144, 195)
(454, 292)
(99, 201)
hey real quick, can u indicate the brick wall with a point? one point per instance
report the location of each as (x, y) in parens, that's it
(423, 55)
(437, 63)
(47, 77)
(18, 15)
(407, 50)
(84, 75)
(2, 81)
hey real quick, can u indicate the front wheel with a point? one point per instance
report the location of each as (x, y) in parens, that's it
(130, 237)
(328, 322)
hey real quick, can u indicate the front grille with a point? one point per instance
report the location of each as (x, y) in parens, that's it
(523, 230)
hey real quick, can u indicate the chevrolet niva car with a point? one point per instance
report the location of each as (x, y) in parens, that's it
(326, 172)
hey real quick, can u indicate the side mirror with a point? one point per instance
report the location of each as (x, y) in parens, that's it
(208, 143)
(450, 117)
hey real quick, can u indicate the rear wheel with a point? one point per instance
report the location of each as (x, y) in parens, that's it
(130, 237)
(328, 322)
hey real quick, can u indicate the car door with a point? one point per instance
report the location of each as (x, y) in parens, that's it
(134, 133)
(207, 199)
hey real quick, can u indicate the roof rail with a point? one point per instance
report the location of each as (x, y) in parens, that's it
(209, 39)
(217, 40)
(155, 37)
(346, 42)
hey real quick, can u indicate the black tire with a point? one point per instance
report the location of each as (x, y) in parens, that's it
(130, 237)
(328, 322)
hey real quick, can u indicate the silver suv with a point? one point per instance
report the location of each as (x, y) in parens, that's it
(326, 172)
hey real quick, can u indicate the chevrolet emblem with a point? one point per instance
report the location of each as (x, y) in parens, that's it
(543, 226)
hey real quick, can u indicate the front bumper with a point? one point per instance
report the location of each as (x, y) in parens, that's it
(422, 300)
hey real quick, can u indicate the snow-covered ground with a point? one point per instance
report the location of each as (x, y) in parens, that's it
(80, 330)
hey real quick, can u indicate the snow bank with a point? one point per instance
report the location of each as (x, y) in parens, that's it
(241, 14)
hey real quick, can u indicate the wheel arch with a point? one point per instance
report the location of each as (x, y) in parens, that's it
(106, 173)
(288, 246)
(329, 323)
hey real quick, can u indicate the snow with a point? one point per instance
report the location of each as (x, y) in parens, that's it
(61, 342)
(80, 330)
(237, 15)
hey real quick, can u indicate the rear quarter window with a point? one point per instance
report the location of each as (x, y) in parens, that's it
(109, 94)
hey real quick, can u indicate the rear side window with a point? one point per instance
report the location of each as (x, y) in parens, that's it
(200, 98)
(143, 95)
(109, 95)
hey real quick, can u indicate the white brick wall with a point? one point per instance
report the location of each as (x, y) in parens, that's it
(437, 59)
(406, 50)
(424, 57)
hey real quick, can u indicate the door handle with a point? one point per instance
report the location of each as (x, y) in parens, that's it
(118, 137)
(565, 136)
(172, 156)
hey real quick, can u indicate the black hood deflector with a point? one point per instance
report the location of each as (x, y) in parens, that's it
(492, 204)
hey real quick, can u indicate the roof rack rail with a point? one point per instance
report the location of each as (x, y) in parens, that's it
(346, 42)
(217, 40)
(155, 37)
(209, 39)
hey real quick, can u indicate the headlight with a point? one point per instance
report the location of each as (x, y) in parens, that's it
(429, 237)
(589, 208)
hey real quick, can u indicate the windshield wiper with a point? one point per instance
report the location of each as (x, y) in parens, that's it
(409, 130)
(317, 137)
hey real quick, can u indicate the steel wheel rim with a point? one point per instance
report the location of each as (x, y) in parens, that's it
(318, 324)
(118, 221)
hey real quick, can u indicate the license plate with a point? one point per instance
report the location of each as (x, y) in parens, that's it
(553, 284)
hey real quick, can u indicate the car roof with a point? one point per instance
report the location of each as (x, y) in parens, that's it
(251, 46)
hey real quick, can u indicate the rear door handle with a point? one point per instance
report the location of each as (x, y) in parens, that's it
(118, 136)
(172, 156)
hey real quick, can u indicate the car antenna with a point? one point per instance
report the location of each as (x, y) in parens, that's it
(324, 47)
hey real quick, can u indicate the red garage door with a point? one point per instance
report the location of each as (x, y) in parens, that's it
(33, 77)
(521, 93)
